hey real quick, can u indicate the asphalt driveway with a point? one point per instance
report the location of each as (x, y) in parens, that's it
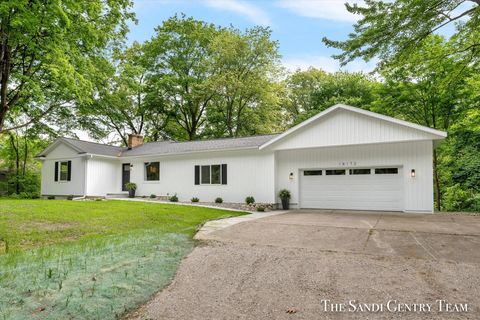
(295, 261)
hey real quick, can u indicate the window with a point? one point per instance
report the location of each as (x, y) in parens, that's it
(337, 172)
(152, 171)
(211, 174)
(386, 170)
(215, 174)
(64, 171)
(205, 175)
(359, 171)
(312, 172)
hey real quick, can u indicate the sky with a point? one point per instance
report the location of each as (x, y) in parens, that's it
(298, 25)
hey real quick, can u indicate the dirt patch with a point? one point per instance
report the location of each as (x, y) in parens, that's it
(47, 226)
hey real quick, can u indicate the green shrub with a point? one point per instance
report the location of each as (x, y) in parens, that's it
(98, 199)
(131, 186)
(195, 199)
(473, 203)
(51, 197)
(218, 200)
(454, 198)
(284, 194)
(70, 197)
(153, 196)
(14, 196)
(249, 200)
(261, 209)
(174, 198)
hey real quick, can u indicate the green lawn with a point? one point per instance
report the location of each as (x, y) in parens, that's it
(90, 259)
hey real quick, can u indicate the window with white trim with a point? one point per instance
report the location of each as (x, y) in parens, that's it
(63, 171)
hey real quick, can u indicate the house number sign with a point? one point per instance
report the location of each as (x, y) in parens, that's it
(347, 163)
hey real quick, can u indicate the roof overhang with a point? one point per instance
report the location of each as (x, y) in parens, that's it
(436, 134)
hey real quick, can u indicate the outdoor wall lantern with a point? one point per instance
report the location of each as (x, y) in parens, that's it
(290, 176)
(412, 173)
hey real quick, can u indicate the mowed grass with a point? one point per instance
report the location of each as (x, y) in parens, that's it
(90, 259)
(27, 224)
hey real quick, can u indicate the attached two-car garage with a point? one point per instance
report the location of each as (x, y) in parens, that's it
(376, 188)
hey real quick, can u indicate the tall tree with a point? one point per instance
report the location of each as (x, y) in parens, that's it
(120, 104)
(312, 91)
(433, 93)
(245, 67)
(48, 51)
(391, 30)
(180, 73)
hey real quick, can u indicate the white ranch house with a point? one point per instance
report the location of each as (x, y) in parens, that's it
(342, 158)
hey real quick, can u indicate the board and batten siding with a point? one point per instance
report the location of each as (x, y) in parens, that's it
(249, 173)
(417, 192)
(343, 127)
(76, 185)
(103, 176)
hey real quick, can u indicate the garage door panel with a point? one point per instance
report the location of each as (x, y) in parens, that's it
(362, 192)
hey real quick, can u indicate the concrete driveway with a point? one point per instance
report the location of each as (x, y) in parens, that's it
(296, 261)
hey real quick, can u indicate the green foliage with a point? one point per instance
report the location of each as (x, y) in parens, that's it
(51, 197)
(284, 194)
(153, 196)
(249, 200)
(312, 91)
(50, 53)
(131, 186)
(455, 198)
(260, 209)
(218, 200)
(174, 198)
(194, 199)
(392, 30)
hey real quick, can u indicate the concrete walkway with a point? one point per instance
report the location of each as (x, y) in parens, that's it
(216, 225)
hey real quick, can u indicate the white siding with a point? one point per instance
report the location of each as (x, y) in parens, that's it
(64, 188)
(343, 127)
(249, 173)
(103, 176)
(418, 191)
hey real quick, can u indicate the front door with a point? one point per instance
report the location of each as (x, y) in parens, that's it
(125, 175)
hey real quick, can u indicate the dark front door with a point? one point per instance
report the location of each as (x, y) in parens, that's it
(125, 175)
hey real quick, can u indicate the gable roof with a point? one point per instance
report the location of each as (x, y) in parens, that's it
(86, 147)
(252, 142)
(437, 134)
(161, 147)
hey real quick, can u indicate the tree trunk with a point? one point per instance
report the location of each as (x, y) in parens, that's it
(17, 163)
(438, 195)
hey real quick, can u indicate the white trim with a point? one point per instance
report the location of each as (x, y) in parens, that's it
(55, 144)
(439, 134)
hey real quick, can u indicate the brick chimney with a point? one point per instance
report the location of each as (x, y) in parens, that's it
(134, 140)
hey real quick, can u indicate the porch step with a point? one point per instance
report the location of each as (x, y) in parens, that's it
(117, 195)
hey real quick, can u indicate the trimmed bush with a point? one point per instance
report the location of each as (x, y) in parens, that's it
(51, 197)
(249, 200)
(153, 196)
(174, 198)
(218, 200)
(195, 199)
(260, 209)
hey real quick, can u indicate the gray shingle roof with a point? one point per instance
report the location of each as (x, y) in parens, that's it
(170, 147)
(167, 147)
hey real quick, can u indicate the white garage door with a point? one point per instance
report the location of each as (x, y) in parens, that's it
(356, 189)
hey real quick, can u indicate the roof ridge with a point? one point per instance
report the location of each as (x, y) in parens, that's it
(213, 139)
(92, 142)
